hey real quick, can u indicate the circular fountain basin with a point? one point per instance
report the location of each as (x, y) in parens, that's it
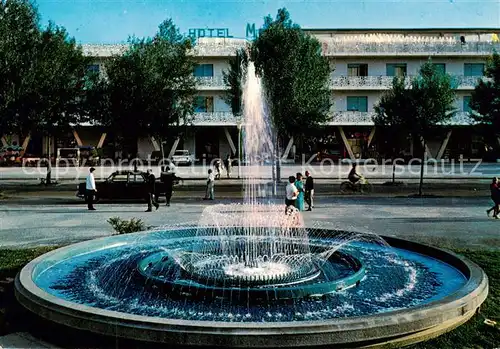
(399, 292)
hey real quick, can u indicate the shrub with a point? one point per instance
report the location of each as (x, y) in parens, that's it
(122, 226)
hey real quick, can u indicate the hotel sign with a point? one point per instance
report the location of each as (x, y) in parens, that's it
(250, 33)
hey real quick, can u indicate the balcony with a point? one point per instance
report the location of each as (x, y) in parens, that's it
(385, 82)
(207, 83)
(356, 118)
(409, 48)
(339, 118)
(218, 118)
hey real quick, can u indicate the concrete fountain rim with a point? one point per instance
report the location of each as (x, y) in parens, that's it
(457, 305)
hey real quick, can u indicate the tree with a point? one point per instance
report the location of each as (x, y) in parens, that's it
(44, 73)
(19, 31)
(150, 88)
(171, 84)
(485, 99)
(419, 107)
(233, 79)
(393, 107)
(295, 75)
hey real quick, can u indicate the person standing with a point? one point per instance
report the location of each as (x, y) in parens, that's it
(229, 165)
(218, 168)
(169, 179)
(291, 193)
(209, 195)
(495, 196)
(90, 189)
(299, 184)
(309, 191)
(151, 191)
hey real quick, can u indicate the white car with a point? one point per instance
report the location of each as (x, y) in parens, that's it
(182, 157)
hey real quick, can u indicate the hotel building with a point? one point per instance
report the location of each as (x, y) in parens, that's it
(363, 62)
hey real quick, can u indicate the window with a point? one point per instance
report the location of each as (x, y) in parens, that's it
(93, 68)
(356, 103)
(466, 104)
(121, 177)
(204, 104)
(473, 69)
(203, 70)
(396, 69)
(357, 69)
(441, 67)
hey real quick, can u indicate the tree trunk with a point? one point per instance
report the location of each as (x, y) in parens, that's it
(278, 160)
(393, 170)
(160, 139)
(421, 185)
(48, 177)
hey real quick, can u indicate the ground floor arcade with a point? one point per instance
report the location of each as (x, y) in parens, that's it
(209, 142)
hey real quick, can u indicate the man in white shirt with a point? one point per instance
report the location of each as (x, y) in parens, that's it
(90, 189)
(291, 193)
(210, 186)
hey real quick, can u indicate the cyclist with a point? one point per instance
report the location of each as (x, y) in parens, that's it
(353, 176)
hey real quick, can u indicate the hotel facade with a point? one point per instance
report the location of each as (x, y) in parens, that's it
(363, 63)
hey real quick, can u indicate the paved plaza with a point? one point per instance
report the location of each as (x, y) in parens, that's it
(328, 170)
(461, 220)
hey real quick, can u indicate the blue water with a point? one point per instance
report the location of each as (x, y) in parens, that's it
(106, 278)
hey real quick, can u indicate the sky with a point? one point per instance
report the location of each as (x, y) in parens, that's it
(113, 21)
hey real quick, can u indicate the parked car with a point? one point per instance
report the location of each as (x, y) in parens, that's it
(123, 185)
(182, 157)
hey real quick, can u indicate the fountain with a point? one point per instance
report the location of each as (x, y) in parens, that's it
(249, 275)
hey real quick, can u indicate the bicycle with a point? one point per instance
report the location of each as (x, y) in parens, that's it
(362, 186)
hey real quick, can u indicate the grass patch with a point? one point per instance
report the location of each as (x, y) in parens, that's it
(11, 261)
(473, 334)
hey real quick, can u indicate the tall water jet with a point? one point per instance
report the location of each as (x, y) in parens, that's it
(258, 132)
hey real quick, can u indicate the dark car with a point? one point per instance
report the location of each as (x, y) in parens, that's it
(123, 185)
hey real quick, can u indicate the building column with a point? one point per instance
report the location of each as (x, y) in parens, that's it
(372, 134)
(154, 142)
(77, 138)
(101, 140)
(346, 143)
(287, 149)
(25, 145)
(4, 141)
(174, 147)
(442, 149)
(230, 140)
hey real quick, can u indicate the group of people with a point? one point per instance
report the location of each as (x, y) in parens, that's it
(167, 177)
(298, 192)
(228, 165)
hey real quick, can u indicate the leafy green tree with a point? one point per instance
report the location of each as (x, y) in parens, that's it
(19, 32)
(149, 90)
(44, 73)
(392, 108)
(418, 108)
(233, 79)
(485, 99)
(295, 74)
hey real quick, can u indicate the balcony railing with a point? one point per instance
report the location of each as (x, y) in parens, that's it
(409, 49)
(218, 48)
(385, 82)
(215, 118)
(210, 83)
(345, 82)
(339, 118)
